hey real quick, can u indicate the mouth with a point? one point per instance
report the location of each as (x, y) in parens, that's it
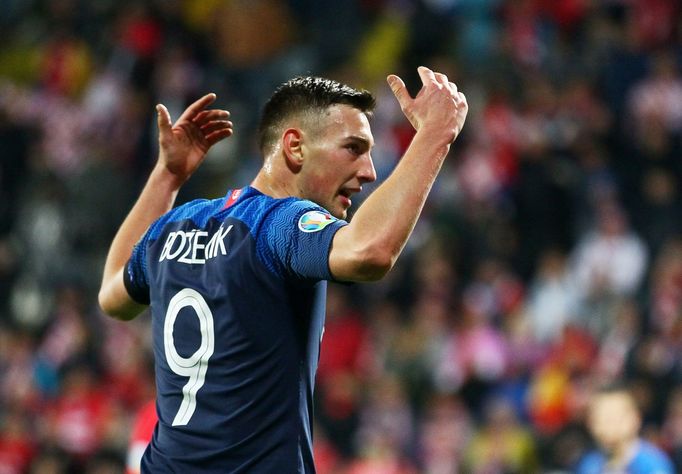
(346, 194)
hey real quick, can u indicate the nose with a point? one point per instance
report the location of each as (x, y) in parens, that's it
(367, 173)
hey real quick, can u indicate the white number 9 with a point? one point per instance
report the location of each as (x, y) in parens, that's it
(196, 365)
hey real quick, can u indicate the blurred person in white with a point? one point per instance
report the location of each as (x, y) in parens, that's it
(658, 97)
(608, 262)
(614, 421)
(550, 302)
(618, 342)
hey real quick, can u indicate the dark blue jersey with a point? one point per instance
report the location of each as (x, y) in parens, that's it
(237, 293)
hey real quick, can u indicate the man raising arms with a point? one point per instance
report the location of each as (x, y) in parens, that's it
(237, 284)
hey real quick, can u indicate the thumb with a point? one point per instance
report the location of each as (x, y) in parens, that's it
(163, 119)
(399, 90)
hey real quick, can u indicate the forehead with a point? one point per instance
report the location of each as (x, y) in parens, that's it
(343, 121)
(611, 405)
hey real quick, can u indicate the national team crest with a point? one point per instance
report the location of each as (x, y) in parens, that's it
(313, 221)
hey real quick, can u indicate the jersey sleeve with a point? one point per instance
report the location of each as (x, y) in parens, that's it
(135, 273)
(295, 239)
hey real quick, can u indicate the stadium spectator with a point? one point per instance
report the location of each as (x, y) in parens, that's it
(501, 444)
(608, 262)
(614, 420)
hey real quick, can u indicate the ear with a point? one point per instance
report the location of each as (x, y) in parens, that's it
(292, 146)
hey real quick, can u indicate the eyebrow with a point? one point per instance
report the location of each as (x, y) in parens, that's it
(364, 140)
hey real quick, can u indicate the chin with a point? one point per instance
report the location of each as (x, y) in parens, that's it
(339, 214)
(337, 210)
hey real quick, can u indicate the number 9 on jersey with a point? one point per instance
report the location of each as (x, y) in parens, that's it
(196, 365)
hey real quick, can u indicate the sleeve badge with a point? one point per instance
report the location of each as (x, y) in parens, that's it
(314, 221)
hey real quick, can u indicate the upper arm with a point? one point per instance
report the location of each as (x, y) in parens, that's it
(295, 240)
(115, 300)
(125, 293)
(353, 259)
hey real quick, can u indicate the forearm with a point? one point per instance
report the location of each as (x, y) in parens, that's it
(382, 225)
(388, 216)
(157, 197)
(182, 148)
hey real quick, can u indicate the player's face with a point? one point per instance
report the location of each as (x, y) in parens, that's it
(613, 420)
(337, 159)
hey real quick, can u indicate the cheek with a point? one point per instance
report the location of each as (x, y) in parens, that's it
(326, 170)
(318, 186)
(326, 179)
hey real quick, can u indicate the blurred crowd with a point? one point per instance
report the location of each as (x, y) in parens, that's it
(548, 260)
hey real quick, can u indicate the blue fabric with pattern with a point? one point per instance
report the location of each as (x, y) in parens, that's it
(237, 299)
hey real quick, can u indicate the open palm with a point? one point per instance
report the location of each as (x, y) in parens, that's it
(183, 145)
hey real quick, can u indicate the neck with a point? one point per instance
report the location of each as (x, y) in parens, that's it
(274, 184)
(624, 454)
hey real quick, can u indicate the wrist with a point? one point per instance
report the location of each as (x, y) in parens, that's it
(433, 142)
(164, 179)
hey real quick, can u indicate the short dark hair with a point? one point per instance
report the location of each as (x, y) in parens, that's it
(307, 94)
(617, 386)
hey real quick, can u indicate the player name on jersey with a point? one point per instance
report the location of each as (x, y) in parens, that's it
(194, 246)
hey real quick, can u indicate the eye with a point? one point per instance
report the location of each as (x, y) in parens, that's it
(354, 148)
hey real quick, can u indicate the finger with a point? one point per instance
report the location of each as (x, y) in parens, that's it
(453, 87)
(442, 79)
(399, 90)
(208, 115)
(163, 119)
(197, 106)
(215, 137)
(426, 75)
(215, 125)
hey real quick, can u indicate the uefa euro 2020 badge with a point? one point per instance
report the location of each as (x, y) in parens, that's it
(313, 221)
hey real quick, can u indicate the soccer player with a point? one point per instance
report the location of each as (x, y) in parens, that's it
(614, 421)
(237, 284)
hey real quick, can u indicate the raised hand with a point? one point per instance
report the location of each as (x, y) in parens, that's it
(183, 145)
(438, 105)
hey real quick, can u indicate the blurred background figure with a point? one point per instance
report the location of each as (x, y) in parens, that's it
(614, 421)
(143, 428)
(609, 262)
(502, 444)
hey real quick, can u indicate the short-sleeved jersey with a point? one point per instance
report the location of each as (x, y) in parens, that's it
(648, 459)
(237, 293)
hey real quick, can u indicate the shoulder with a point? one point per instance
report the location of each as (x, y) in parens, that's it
(257, 209)
(652, 459)
(591, 463)
(198, 211)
